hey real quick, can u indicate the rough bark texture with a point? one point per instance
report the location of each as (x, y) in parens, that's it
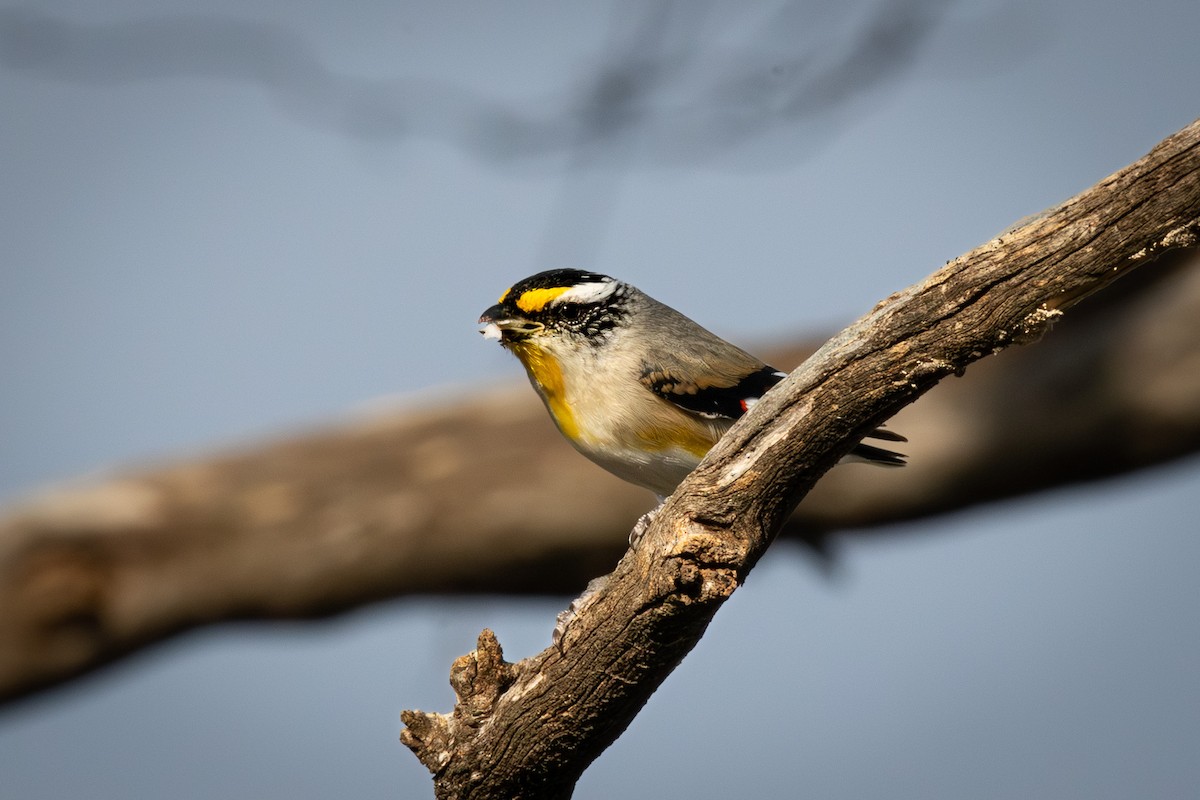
(528, 730)
(425, 501)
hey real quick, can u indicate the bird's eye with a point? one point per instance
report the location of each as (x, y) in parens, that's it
(571, 312)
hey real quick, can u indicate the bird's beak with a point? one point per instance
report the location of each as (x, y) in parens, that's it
(499, 324)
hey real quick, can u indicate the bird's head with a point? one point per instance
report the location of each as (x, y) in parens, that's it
(557, 306)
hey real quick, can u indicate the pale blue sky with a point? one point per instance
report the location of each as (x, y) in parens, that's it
(223, 225)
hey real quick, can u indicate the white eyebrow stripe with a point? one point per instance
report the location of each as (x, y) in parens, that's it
(592, 292)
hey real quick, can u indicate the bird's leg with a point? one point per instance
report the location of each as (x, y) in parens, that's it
(643, 523)
(565, 617)
(562, 622)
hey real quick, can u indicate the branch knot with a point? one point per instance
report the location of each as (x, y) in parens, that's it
(479, 678)
(707, 566)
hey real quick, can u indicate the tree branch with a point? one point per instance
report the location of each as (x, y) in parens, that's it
(529, 730)
(330, 520)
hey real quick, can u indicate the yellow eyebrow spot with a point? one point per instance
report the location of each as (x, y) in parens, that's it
(536, 299)
(506, 293)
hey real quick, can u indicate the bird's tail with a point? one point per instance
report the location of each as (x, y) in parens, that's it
(869, 454)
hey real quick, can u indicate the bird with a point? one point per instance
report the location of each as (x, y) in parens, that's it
(634, 385)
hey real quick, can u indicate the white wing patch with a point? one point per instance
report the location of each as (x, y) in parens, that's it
(748, 403)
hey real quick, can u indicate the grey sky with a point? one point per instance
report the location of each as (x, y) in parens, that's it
(229, 224)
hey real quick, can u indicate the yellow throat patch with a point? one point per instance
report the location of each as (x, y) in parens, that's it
(547, 376)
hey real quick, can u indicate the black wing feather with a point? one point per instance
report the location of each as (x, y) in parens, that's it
(713, 402)
(877, 455)
(886, 435)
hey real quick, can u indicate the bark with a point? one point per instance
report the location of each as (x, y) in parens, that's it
(528, 730)
(424, 499)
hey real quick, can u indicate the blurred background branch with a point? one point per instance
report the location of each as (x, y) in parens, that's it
(485, 497)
